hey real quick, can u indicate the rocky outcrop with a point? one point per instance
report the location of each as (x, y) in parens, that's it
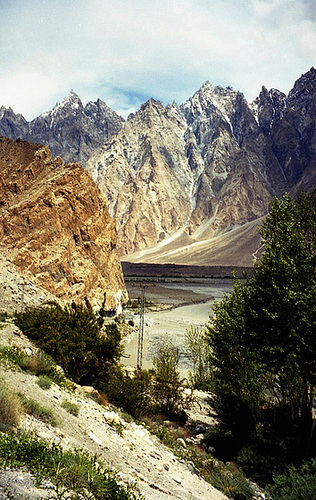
(55, 226)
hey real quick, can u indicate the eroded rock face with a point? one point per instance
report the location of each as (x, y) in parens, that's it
(177, 176)
(54, 224)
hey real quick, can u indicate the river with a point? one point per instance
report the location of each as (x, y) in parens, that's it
(172, 324)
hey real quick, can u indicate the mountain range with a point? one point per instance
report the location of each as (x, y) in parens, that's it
(189, 183)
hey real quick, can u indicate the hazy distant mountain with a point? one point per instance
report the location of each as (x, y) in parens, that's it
(71, 130)
(189, 183)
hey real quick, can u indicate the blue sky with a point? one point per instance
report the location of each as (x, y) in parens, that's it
(126, 51)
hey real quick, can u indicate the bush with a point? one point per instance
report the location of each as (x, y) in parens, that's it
(168, 392)
(44, 382)
(296, 483)
(10, 409)
(72, 408)
(72, 336)
(132, 393)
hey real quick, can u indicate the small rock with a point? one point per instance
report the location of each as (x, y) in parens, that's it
(211, 449)
(95, 438)
(181, 442)
(192, 468)
(177, 480)
(200, 429)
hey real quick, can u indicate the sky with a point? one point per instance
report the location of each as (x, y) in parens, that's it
(126, 51)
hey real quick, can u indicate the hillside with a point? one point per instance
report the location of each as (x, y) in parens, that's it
(125, 447)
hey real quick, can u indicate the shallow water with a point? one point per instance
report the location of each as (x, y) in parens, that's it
(172, 324)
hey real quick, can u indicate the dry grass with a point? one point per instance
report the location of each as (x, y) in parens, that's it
(10, 409)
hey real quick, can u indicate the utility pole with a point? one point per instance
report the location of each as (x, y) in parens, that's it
(141, 330)
(141, 325)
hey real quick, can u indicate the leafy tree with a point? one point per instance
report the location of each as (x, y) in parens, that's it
(263, 335)
(198, 352)
(283, 303)
(238, 388)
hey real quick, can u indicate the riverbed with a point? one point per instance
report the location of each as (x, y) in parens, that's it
(189, 303)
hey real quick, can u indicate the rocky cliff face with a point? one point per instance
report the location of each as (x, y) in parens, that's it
(180, 177)
(55, 225)
(71, 130)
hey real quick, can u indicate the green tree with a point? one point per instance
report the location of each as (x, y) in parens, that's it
(238, 388)
(263, 335)
(198, 352)
(167, 389)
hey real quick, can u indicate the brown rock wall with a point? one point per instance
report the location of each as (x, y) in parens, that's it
(54, 223)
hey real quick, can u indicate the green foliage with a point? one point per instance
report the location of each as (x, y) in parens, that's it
(72, 472)
(72, 408)
(133, 392)
(263, 339)
(238, 387)
(168, 392)
(44, 382)
(198, 351)
(72, 336)
(296, 483)
(38, 411)
(10, 409)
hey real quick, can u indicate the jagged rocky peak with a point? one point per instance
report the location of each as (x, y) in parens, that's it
(303, 89)
(270, 107)
(208, 99)
(11, 124)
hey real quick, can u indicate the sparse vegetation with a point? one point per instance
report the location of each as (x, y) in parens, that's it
(10, 409)
(74, 474)
(38, 364)
(72, 408)
(38, 411)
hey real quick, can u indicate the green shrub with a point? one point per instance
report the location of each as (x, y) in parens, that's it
(295, 483)
(38, 411)
(10, 409)
(70, 471)
(72, 408)
(132, 393)
(44, 382)
(72, 336)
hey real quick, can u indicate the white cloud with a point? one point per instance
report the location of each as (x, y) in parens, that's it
(126, 50)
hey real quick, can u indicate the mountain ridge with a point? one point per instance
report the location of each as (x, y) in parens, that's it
(200, 169)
